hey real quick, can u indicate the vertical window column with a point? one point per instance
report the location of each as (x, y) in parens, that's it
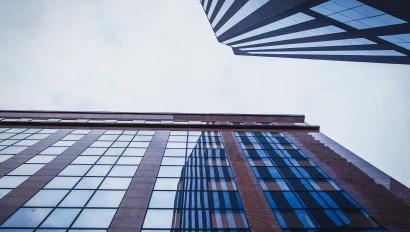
(195, 188)
(131, 211)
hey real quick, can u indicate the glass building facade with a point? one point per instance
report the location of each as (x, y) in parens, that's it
(116, 172)
(351, 30)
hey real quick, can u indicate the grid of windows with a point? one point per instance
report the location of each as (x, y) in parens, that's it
(17, 176)
(356, 14)
(16, 140)
(301, 195)
(329, 28)
(195, 187)
(87, 193)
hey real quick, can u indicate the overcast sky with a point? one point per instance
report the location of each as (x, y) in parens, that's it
(162, 56)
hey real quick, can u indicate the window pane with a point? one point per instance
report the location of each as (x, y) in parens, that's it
(94, 218)
(123, 171)
(166, 184)
(129, 160)
(76, 198)
(12, 181)
(75, 170)
(170, 171)
(153, 215)
(115, 183)
(61, 218)
(26, 169)
(104, 198)
(27, 217)
(134, 152)
(47, 198)
(89, 183)
(62, 182)
(162, 199)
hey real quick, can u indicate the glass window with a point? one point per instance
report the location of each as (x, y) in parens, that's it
(53, 150)
(46, 198)
(162, 199)
(27, 142)
(170, 171)
(175, 152)
(60, 182)
(4, 192)
(94, 151)
(173, 161)
(12, 150)
(26, 169)
(134, 152)
(64, 143)
(123, 171)
(101, 144)
(73, 137)
(166, 184)
(75, 170)
(89, 183)
(27, 217)
(94, 218)
(40, 159)
(107, 160)
(151, 218)
(139, 144)
(108, 137)
(85, 160)
(115, 183)
(103, 198)
(77, 198)
(114, 151)
(176, 145)
(61, 218)
(99, 170)
(129, 160)
(12, 181)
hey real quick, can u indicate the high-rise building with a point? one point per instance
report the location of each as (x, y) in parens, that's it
(99, 171)
(347, 30)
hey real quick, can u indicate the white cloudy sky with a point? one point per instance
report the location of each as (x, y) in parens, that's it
(161, 55)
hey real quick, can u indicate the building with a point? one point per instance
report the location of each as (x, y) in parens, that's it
(346, 30)
(98, 171)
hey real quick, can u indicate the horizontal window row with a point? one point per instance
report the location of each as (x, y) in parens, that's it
(114, 151)
(260, 162)
(310, 200)
(100, 170)
(195, 184)
(65, 182)
(195, 200)
(193, 161)
(195, 219)
(205, 153)
(288, 153)
(288, 172)
(298, 185)
(195, 171)
(322, 219)
(60, 218)
(76, 198)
